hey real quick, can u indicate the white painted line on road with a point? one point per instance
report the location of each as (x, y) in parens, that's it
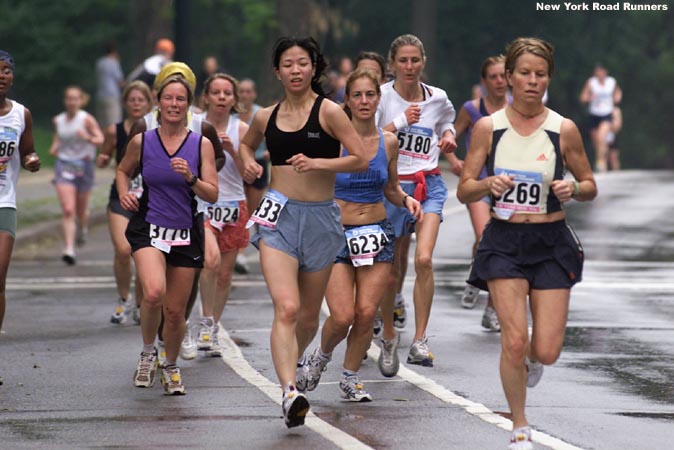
(234, 358)
(476, 409)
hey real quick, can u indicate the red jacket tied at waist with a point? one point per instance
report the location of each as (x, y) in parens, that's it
(421, 190)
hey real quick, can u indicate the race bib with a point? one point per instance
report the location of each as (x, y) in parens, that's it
(165, 238)
(269, 210)
(71, 170)
(365, 243)
(524, 197)
(136, 187)
(222, 213)
(415, 142)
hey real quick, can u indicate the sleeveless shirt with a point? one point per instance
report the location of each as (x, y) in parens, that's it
(535, 161)
(167, 200)
(366, 186)
(311, 140)
(12, 126)
(71, 146)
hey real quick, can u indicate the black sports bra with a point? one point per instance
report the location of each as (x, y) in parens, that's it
(311, 140)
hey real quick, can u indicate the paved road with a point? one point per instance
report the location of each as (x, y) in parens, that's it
(68, 371)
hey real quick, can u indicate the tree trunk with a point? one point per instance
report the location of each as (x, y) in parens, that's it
(424, 26)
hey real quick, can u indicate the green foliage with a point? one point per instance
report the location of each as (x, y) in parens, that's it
(57, 43)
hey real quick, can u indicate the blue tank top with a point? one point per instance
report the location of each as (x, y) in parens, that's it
(475, 115)
(366, 186)
(168, 201)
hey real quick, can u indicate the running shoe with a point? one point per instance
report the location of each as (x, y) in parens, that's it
(295, 407)
(378, 326)
(188, 348)
(161, 352)
(301, 375)
(420, 354)
(123, 310)
(388, 361)
(534, 372)
(470, 295)
(69, 258)
(399, 313)
(216, 349)
(172, 381)
(352, 389)
(205, 336)
(314, 367)
(490, 319)
(520, 439)
(146, 369)
(241, 264)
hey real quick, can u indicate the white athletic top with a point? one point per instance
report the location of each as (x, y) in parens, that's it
(71, 146)
(230, 183)
(533, 160)
(419, 142)
(12, 126)
(602, 96)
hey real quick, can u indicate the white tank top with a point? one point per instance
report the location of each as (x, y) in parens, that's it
(419, 142)
(230, 183)
(533, 160)
(602, 96)
(71, 146)
(12, 126)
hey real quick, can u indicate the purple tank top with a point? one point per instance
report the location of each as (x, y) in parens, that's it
(475, 115)
(168, 201)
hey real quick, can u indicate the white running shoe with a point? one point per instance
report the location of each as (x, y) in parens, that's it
(172, 380)
(136, 314)
(353, 390)
(378, 326)
(241, 264)
(123, 311)
(470, 296)
(520, 439)
(205, 336)
(161, 352)
(146, 370)
(534, 372)
(420, 354)
(216, 349)
(314, 366)
(388, 361)
(399, 313)
(295, 407)
(490, 319)
(188, 348)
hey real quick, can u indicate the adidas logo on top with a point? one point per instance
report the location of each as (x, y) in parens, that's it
(542, 157)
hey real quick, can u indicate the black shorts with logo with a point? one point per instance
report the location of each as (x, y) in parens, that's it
(138, 235)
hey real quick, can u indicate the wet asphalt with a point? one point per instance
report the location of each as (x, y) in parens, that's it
(68, 372)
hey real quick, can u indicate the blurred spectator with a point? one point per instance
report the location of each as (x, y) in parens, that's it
(210, 67)
(109, 81)
(148, 69)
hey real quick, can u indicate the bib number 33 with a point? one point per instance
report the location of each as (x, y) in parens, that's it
(269, 210)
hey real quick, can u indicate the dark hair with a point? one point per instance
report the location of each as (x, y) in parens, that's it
(110, 47)
(374, 56)
(310, 45)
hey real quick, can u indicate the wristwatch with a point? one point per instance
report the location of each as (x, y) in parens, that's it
(193, 180)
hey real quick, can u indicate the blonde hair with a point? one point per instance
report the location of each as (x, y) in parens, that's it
(401, 41)
(139, 86)
(535, 46)
(491, 61)
(83, 95)
(235, 85)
